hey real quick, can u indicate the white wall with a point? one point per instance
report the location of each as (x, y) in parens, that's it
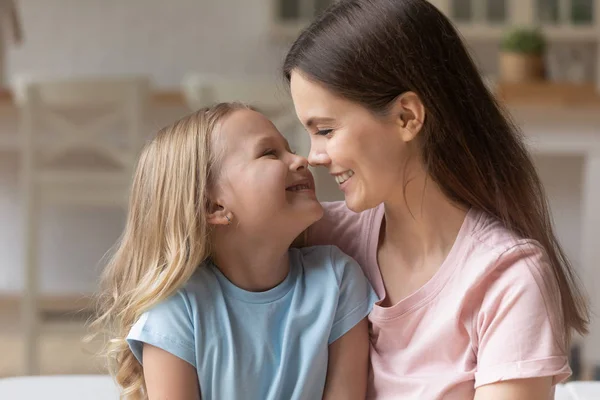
(164, 38)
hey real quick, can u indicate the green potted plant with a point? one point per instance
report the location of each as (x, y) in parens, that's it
(522, 55)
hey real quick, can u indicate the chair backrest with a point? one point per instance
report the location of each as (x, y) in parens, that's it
(70, 387)
(83, 124)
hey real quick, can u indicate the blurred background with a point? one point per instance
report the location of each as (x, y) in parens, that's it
(85, 82)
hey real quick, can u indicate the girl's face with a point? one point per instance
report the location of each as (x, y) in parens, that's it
(265, 186)
(367, 155)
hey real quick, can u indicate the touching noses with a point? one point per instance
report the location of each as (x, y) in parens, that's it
(318, 155)
(298, 163)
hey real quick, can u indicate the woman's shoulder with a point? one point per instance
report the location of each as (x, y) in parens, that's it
(488, 236)
(508, 285)
(494, 255)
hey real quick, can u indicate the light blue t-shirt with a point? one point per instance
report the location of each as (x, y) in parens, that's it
(270, 345)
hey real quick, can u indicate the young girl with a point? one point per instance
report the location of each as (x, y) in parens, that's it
(443, 207)
(203, 297)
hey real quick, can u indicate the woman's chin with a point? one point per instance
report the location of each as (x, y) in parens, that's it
(358, 203)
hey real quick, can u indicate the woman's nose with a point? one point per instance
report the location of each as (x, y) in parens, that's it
(317, 155)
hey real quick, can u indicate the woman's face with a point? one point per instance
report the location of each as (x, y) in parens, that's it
(366, 154)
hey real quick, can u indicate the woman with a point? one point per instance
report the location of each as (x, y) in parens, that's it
(443, 207)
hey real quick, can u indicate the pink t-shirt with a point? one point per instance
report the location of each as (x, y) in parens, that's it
(490, 313)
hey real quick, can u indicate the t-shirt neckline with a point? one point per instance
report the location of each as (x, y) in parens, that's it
(431, 288)
(267, 296)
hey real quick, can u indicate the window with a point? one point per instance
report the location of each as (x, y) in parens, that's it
(496, 10)
(469, 11)
(582, 11)
(289, 10)
(462, 10)
(300, 10)
(547, 11)
(477, 19)
(575, 12)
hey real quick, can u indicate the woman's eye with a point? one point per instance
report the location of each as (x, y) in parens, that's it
(324, 132)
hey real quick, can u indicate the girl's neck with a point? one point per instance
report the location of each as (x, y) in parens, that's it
(255, 265)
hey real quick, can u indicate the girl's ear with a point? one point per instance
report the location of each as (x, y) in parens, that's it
(218, 214)
(410, 114)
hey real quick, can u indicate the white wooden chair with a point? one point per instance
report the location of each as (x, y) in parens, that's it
(80, 142)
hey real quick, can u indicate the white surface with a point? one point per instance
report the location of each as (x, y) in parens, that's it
(74, 387)
(581, 390)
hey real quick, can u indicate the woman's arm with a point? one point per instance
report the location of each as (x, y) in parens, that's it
(348, 365)
(168, 377)
(517, 389)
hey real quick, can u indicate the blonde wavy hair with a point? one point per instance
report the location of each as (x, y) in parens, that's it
(166, 236)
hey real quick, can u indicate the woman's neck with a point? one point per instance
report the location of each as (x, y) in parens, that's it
(421, 229)
(254, 264)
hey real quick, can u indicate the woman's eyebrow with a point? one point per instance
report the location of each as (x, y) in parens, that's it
(312, 121)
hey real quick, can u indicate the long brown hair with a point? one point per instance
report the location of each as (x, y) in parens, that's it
(372, 51)
(166, 236)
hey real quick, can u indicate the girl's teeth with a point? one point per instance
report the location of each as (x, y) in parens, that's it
(341, 178)
(298, 187)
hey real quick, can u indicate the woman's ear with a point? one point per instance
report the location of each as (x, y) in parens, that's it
(409, 113)
(218, 214)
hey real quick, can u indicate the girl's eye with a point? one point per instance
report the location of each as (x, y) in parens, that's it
(324, 132)
(269, 153)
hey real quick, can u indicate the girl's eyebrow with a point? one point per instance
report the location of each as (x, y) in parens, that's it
(270, 141)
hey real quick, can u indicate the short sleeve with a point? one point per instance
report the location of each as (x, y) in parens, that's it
(356, 296)
(519, 325)
(168, 326)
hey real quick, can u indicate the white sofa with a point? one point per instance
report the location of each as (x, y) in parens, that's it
(102, 387)
(60, 387)
(578, 390)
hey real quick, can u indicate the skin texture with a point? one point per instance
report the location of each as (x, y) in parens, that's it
(348, 366)
(168, 377)
(421, 223)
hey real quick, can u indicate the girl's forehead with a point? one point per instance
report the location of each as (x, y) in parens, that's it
(244, 130)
